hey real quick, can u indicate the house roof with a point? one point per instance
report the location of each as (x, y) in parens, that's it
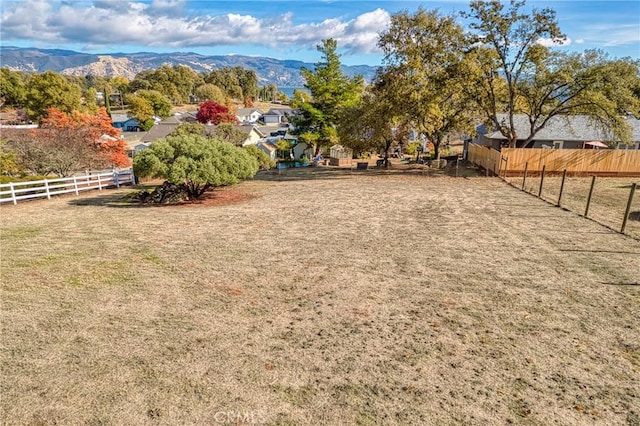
(247, 128)
(563, 128)
(290, 136)
(107, 138)
(174, 119)
(271, 147)
(163, 128)
(159, 131)
(248, 111)
(120, 118)
(279, 111)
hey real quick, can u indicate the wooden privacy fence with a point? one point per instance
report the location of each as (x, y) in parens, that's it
(485, 157)
(606, 162)
(17, 191)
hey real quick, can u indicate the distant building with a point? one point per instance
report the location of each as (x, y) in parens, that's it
(561, 132)
(248, 115)
(125, 123)
(277, 115)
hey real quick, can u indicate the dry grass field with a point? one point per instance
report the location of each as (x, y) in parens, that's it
(608, 202)
(333, 299)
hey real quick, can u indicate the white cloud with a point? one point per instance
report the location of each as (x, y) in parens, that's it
(616, 35)
(163, 23)
(548, 42)
(580, 41)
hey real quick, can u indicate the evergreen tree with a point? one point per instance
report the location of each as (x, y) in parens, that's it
(331, 92)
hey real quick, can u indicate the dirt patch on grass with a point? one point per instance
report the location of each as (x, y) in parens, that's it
(221, 197)
(325, 299)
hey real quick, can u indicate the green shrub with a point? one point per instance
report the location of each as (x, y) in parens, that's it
(195, 162)
(264, 161)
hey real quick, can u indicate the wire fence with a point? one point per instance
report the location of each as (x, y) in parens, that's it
(611, 201)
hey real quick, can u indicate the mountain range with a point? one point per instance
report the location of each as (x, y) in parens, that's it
(282, 73)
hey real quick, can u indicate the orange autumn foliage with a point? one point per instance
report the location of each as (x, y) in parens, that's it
(98, 131)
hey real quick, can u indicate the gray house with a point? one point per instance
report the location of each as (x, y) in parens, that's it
(561, 132)
(277, 115)
(161, 129)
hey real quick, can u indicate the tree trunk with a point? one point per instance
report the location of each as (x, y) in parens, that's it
(436, 147)
(387, 162)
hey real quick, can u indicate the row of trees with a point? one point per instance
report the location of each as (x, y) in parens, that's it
(64, 144)
(439, 79)
(151, 92)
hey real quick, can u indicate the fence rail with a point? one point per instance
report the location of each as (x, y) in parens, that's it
(18, 191)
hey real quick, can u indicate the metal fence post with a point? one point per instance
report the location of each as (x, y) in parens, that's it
(564, 176)
(541, 181)
(628, 209)
(524, 178)
(593, 184)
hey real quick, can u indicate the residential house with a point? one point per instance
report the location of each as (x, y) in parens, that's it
(290, 137)
(248, 115)
(125, 123)
(277, 115)
(302, 150)
(253, 134)
(269, 147)
(561, 132)
(134, 149)
(161, 129)
(165, 127)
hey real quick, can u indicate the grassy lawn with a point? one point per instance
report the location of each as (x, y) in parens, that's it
(331, 299)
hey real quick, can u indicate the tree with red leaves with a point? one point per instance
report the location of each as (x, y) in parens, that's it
(214, 113)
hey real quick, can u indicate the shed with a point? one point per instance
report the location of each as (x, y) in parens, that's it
(340, 156)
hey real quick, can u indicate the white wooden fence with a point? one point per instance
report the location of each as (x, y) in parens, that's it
(17, 191)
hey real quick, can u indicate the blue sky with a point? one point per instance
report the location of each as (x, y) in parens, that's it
(277, 29)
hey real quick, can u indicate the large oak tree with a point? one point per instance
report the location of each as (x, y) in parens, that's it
(513, 71)
(425, 58)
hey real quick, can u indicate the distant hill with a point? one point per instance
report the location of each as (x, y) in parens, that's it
(283, 73)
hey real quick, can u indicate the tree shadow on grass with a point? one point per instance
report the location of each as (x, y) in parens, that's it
(329, 172)
(634, 216)
(631, 284)
(601, 251)
(213, 198)
(109, 200)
